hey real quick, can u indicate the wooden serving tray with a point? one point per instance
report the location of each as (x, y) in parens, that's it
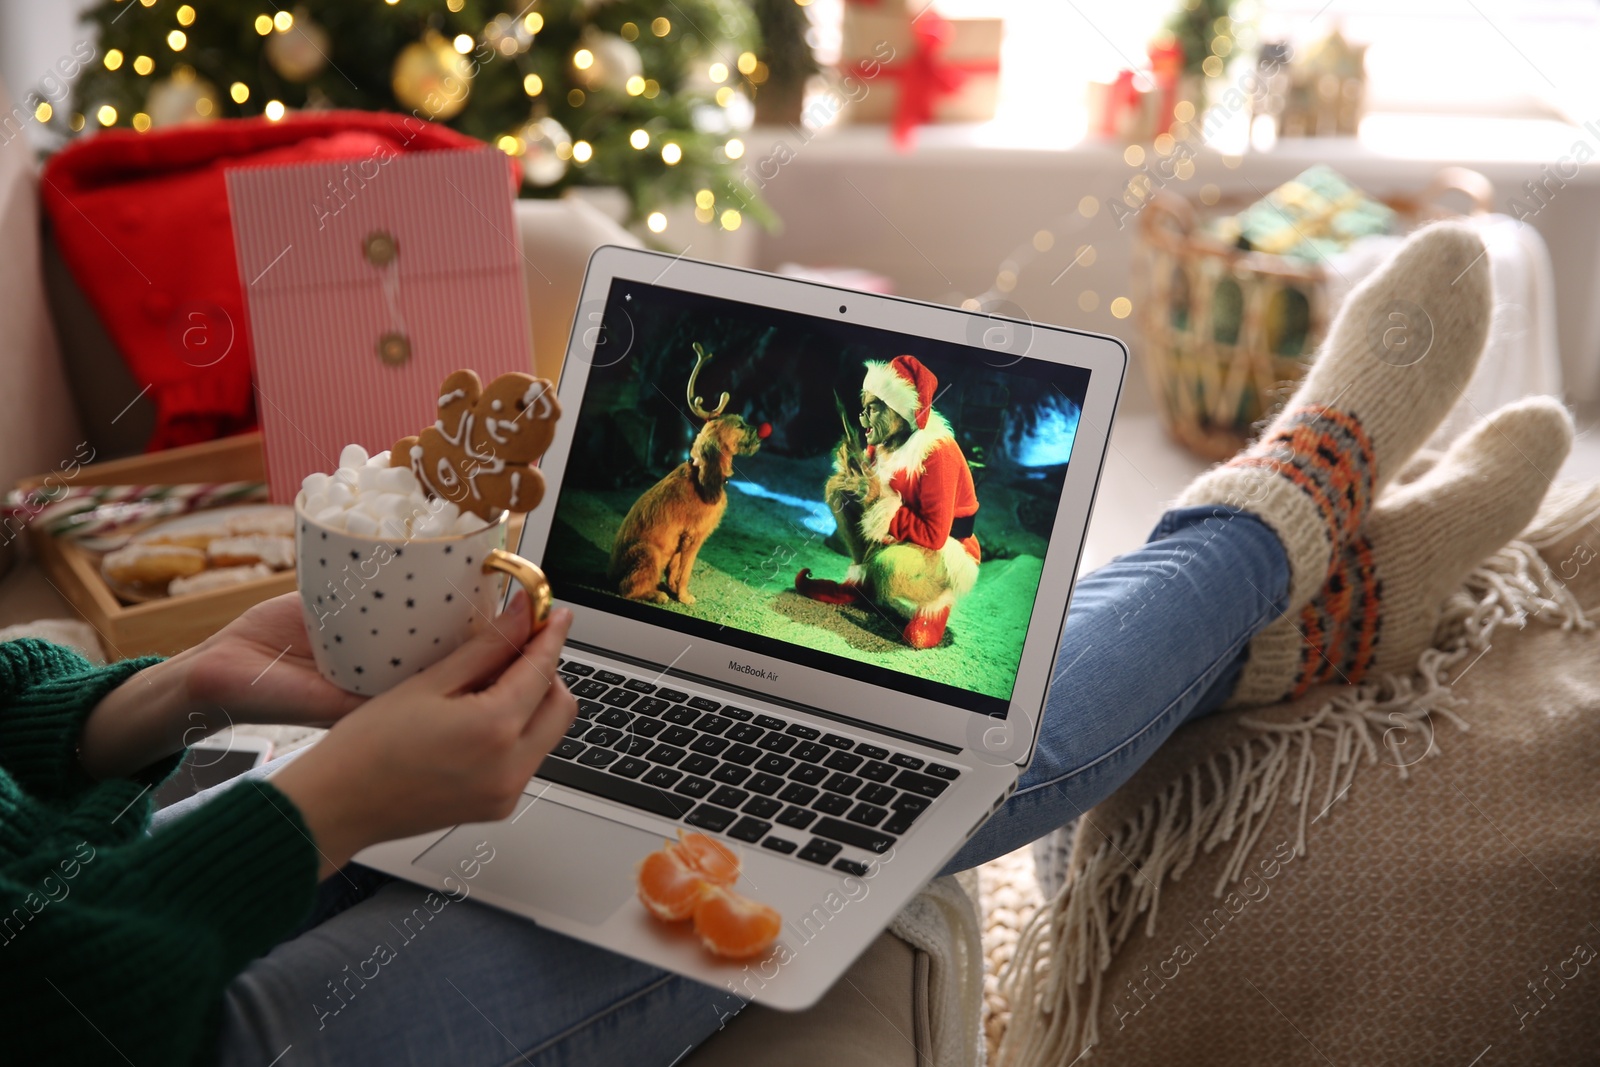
(171, 624)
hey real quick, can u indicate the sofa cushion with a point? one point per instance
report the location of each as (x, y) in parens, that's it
(913, 998)
(558, 237)
(38, 428)
(868, 1019)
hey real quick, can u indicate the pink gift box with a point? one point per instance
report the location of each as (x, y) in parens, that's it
(367, 282)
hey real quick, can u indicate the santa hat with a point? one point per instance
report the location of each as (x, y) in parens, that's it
(905, 385)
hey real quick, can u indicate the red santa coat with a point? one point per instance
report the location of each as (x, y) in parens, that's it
(926, 488)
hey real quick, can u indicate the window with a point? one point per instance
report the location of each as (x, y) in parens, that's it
(1507, 58)
(1530, 58)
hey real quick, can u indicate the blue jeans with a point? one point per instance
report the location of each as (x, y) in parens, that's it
(1155, 638)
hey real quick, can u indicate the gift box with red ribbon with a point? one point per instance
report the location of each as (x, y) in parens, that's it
(1127, 108)
(919, 67)
(1138, 105)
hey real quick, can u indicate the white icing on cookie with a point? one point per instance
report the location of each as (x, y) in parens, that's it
(416, 469)
(538, 391)
(536, 398)
(463, 430)
(451, 396)
(493, 426)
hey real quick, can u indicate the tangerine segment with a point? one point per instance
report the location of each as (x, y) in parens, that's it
(715, 861)
(669, 887)
(735, 926)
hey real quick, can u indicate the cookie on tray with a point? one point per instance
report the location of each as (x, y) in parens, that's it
(220, 578)
(275, 552)
(270, 521)
(157, 565)
(191, 537)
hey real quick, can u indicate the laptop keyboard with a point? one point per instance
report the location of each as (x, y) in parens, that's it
(722, 769)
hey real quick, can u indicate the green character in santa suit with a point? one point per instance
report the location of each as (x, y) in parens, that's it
(904, 506)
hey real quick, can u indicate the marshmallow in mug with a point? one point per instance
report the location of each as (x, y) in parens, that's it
(368, 498)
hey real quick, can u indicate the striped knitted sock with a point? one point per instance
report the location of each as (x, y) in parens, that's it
(1379, 607)
(1401, 350)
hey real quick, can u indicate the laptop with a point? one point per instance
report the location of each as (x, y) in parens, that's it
(814, 621)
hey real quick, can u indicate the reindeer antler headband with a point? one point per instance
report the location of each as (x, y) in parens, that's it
(697, 404)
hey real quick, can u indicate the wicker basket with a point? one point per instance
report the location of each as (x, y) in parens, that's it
(1216, 384)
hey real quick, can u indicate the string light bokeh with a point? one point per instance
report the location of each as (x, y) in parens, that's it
(647, 96)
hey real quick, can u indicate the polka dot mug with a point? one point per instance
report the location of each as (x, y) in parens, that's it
(380, 610)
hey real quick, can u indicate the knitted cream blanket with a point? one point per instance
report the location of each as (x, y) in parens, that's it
(1401, 872)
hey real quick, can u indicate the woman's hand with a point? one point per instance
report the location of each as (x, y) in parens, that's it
(455, 743)
(258, 669)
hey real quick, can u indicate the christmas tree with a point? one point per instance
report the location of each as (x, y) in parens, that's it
(1203, 31)
(644, 95)
(788, 59)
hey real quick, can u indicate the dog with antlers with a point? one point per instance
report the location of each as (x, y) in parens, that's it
(662, 533)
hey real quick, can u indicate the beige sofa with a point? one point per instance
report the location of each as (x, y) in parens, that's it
(61, 383)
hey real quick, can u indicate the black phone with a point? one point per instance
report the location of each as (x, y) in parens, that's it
(204, 766)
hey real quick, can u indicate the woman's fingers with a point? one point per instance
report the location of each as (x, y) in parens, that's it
(515, 623)
(484, 656)
(546, 725)
(523, 684)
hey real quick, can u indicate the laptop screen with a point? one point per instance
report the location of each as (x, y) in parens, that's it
(861, 501)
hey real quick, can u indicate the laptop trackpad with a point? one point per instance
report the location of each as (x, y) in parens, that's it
(574, 863)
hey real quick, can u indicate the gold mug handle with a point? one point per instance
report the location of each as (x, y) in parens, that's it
(531, 577)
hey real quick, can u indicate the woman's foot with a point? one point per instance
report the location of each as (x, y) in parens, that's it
(1379, 607)
(1401, 350)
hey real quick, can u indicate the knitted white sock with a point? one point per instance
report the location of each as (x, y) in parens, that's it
(1401, 350)
(1378, 609)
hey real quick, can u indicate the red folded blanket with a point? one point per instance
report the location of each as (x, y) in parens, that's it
(142, 221)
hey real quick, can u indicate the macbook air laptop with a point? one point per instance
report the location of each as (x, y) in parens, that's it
(816, 633)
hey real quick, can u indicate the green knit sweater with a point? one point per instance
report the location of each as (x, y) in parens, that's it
(116, 944)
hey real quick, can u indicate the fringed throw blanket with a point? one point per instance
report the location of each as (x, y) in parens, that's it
(1407, 871)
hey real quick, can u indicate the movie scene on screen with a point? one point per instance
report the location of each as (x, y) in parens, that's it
(861, 495)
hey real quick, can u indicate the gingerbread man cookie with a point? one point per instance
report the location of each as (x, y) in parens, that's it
(479, 455)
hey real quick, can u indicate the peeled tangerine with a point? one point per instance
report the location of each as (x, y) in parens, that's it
(735, 926)
(672, 879)
(670, 888)
(710, 857)
(690, 878)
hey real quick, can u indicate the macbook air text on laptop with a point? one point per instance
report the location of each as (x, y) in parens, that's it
(822, 643)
